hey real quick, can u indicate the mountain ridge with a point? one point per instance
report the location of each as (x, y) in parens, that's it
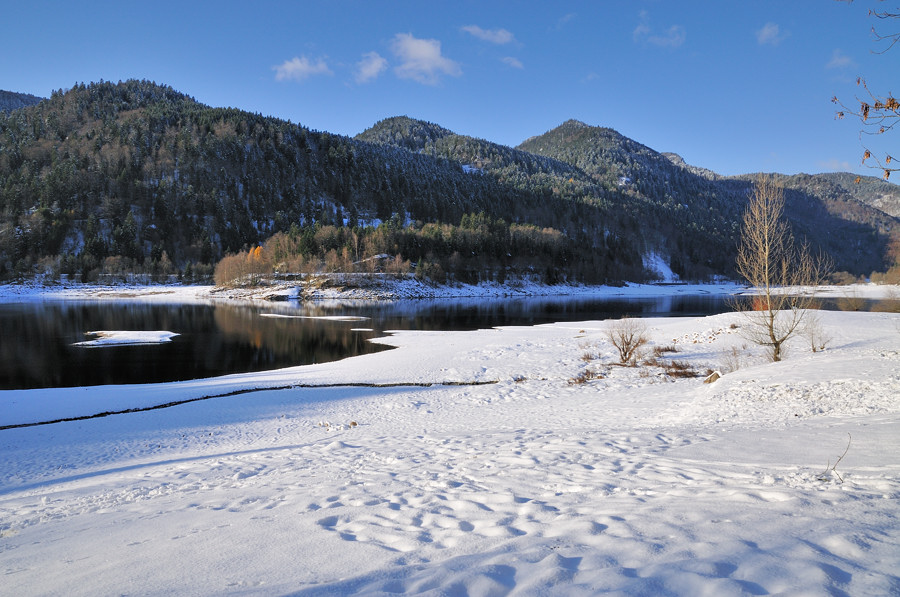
(10, 100)
(199, 182)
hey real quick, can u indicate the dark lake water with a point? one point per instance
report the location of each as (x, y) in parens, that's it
(37, 339)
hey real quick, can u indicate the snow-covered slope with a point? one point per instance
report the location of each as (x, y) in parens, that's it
(633, 482)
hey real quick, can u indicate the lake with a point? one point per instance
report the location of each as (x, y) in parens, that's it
(38, 339)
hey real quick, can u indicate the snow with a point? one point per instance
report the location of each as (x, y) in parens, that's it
(362, 287)
(385, 473)
(317, 317)
(126, 337)
(654, 262)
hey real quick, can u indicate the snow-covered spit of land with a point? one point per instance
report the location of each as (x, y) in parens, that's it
(474, 463)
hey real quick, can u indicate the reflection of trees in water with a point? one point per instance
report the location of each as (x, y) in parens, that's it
(36, 351)
(300, 341)
(25, 343)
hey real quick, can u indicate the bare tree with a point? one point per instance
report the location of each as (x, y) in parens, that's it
(627, 335)
(780, 271)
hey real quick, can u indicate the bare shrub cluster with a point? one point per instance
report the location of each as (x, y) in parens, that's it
(733, 359)
(851, 301)
(815, 333)
(628, 336)
(585, 376)
(681, 369)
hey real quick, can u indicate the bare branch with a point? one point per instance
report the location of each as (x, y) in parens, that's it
(878, 114)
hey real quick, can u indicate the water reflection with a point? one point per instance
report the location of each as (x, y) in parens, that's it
(36, 339)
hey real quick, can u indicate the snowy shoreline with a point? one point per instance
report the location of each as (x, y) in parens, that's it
(633, 482)
(390, 288)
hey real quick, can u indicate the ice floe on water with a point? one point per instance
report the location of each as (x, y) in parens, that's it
(106, 338)
(322, 317)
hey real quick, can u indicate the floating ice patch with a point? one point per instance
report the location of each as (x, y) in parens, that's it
(125, 338)
(325, 317)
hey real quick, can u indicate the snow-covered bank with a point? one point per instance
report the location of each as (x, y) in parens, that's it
(633, 482)
(355, 288)
(368, 288)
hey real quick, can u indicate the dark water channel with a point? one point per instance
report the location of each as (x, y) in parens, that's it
(37, 339)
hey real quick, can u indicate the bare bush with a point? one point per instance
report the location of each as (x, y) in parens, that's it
(680, 369)
(659, 351)
(628, 336)
(892, 299)
(585, 376)
(815, 333)
(851, 301)
(733, 359)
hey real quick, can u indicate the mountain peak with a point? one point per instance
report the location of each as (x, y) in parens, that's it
(403, 131)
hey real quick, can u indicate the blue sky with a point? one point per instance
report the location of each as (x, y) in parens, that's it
(734, 86)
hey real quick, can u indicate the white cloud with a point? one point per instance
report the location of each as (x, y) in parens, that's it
(370, 67)
(840, 60)
(564, 20)
(513, 62)
(770, 34)
(300, 68)
(495, 36)
(673, 37)
(421, 59)
(835, 165)
(641, 31)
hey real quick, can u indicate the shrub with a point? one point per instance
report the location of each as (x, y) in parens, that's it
(851, 301)
(680, 369)
(733, 359)
(842, 278)
(659, 351)
(584, 377)
(628, 336)
(815, 334)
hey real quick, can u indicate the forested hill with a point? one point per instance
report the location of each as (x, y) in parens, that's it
(10, 100)
(139, 176)
(695, 242)
(135, 174)
(853, 222)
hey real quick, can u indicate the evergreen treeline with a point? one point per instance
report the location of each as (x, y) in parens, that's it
(136, 177)
(9, 100)
(698, 236)
(853, 222)
(141, 174)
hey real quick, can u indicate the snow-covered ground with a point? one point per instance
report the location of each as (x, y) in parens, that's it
(633, 482)
(356, 287)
